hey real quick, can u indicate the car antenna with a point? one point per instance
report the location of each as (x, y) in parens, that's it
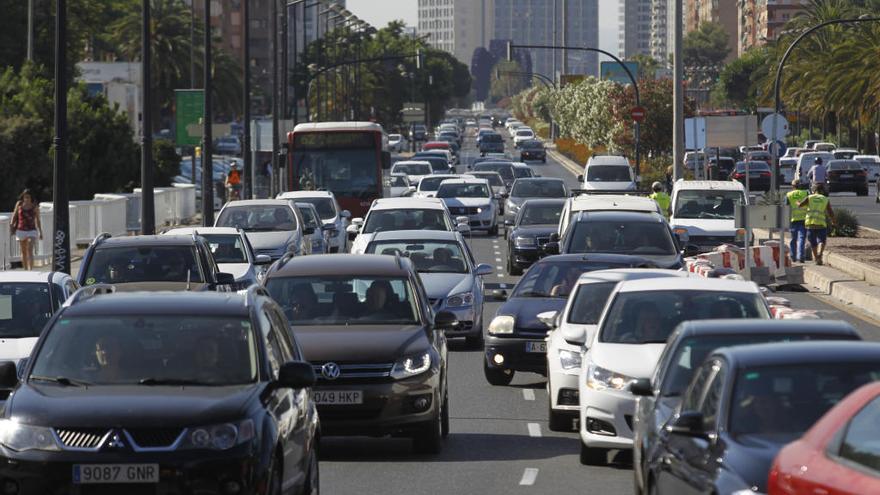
(188, 279)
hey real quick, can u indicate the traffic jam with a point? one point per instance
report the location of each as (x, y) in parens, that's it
(225, 359)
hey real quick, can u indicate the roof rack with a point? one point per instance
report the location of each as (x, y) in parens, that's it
(101, 238)
(89, 292)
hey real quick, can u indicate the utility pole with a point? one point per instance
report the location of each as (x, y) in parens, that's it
(249, 187)
(60, 200)
(192, 46)
(565, 36)
(677, 95)
(148, 214)
(30, 28)
(285, 55)
(207, 134)
(273, 50)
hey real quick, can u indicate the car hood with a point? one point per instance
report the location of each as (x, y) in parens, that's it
(525, 311)
(124, 405)
(441, 285)
(750, 457)
(360, 343)
(15, 349)
(467, 201)
(534, 231)
(667, 261)
(271, 240)
(609, 186)
(159, 286)
(360, 243)
(238, 270)
(632, 360)
(703, 226)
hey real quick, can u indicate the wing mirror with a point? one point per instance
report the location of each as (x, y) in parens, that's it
(642, 388)
(445, 320)
(552, 247)
(691, 250)
(548, 318)
(308, 230)
(484, 269)
(574, 335)
(345, 214)
(508, 223)
(263, 259)
(8, 375)
(224, 278)
(687, 423)
(295, 374)
(580, 178)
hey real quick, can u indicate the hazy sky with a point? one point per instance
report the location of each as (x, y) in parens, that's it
(380, 12)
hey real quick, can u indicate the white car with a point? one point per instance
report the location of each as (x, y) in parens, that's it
(632, 332)
(397, 143)
(472, 198)
(429, 185)
(609, 202)
(807, 160)
(399, 186)
(608, 173)
(871, 163)
(232, 251)
(515, 127)
(703, 212)
(414, 170)
(522, 134)
(573, 328)
(331, 214)
(389, 214)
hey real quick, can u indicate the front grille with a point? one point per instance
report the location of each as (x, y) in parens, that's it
(463, 210)
(357, 371)
(347, 413)
(154, 437)
(81, 438)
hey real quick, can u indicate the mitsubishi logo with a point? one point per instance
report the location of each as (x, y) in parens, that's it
(330, 371)
(115, 441)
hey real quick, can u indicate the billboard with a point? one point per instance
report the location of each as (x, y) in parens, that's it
(727, 131)
(612, 71)
(189, 108)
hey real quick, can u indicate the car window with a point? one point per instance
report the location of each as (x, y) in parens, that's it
(711, 406)
(707, 204)
(491, 138)
(119, 265)
(447, 190)
(406, 219)
(633, 238)
(695, 390)
(522, 172)
(861, 442)
(427, 256)
(283, 334)
(309, 217)
(504, 170)
(24, 308)
(226, 248)
(258, 218)
(538, 189)
(555, 279)
(411, 169)
(273, 351)
(493, 178)
(608, 173)
(534, 214)
(589, 301)
(429, 184)
(325, 206)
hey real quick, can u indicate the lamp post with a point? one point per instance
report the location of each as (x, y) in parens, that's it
(546, 81)
(60, 206)
(148, 214)
(249, 189)
(207, 132)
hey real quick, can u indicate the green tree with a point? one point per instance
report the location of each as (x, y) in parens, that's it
(503, 84)
(647, 65)
(739, 80)
(707, 46)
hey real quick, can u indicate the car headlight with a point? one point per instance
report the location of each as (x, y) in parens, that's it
(599, 378)
(569, 360)
(221, 436)
(501, 325)
(512, 206)
(524, 242)
(747, 491)
(21, 437)
(463, 299)
(479, 210)
(411, 366)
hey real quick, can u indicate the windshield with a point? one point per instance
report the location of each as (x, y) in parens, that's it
(491, 138)
(522, 172)
(785, 401)
(121, 265)
(430, 183)
(309, 218)
(345, 300)
(646, 317)
(493, 178)
(463, 191)
(540, 214)
(531, 145)
(325, 206)
(525, 133)
(394, 137)
(226, 248)
(427, 256)
(707, 204)
(589, 301)
(505, 170)
(637, 238)
(24, 308)
(148, 350)
(258, 218)
(538, 189)
(609, 173)
(411, 168)
(556, 279)
(388, 220)
(346, 172)
(845, 165)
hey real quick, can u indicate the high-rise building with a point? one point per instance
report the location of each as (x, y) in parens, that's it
(724, 12)
(456, 26)
(634, 28)
(662, 31)
(761, 21)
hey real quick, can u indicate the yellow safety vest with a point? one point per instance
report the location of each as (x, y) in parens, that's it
(816, 206)
(663, 202)
(798, 213)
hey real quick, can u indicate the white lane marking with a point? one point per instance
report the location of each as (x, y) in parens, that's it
(498, 253)
(528, 394)
(529, 476)
(534, 430)
(498, 260)
(499, 268)
(500, 275)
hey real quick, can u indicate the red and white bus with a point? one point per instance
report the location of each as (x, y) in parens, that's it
(346, 158)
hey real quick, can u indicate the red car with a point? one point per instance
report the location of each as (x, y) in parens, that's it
(839, 455)
(437, 145)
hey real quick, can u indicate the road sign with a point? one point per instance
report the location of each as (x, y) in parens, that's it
(413, 112)
(779, 148)
(774, 119)
(189, 109)
(612, 71)
(638, 114)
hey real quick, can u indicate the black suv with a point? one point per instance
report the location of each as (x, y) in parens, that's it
(161, 392)
(366, 325)
(491, 143)
(532, 149)
(152, 262)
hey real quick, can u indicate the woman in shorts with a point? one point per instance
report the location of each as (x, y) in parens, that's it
(26, 227)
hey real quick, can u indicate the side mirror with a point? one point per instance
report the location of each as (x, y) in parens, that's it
(8, 375)
(345, 214)
(580, 178)
(642, 388)
(308, 230)
(574, 335)
(548, 318)
(386, 160)
(263, 259)
(445, 320)
(484, 269)
(224, 278)
(463, 228)
(687, 423)
(554, 237)
(683, 236)
(508, 222)
(295, 374)
(691, 250)
(551, 248)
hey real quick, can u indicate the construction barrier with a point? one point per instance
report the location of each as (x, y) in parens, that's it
(729, 259)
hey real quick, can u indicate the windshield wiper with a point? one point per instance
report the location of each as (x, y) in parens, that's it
(61, 380)
(170, 381)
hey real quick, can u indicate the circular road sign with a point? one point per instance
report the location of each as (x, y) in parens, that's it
(780, 123)
(638, 113)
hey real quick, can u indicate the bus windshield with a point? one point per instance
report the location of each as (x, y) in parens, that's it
(351, 173)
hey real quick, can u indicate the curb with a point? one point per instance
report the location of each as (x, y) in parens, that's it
(861, 295)
(566, 162)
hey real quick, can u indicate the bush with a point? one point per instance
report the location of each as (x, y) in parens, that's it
(847, 224)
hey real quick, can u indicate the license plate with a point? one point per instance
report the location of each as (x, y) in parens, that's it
(536, 347)
(115, 473)
(755, 175)
(339, 397)
(846, 176)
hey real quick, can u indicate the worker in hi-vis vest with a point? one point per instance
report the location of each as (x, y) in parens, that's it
(798, 216)
(819, 212)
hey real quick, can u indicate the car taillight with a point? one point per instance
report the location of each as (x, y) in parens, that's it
(738, 175)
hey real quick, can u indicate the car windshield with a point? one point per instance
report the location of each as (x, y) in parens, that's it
(531, 145)
(447, 190)
(538, 189)
(394, 137)
(707, 204)
(556, 279)
(427, 256)
(540, 214)
(753, 167)
(589, 301)
(844, 165)
(24, 308)
(431, 183)
(636, 238)
(648, 317)
(525, 133)
(325, 206)
(505, 170)
(147, 350)
(782, 402)
(609, 173)
(405, 219)
(309, 217)
(493, 178)
(345, 300)
(411, 168)
(227, 248)
(398, 181)
(491, 138)
(258, 218)
(347, 172)
(522, 172)
(121, 265)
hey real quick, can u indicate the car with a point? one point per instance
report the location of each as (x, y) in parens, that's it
(152, 262)
(694, 160)
(428, 186)
(274, 227)
(389, 214)
(412, 169)
(871, 164)
(530, 229)
(807, 160)
(808, 144)
(493, 155)
(437, 145)
(750, 401)
(162, 392)
(452, 279)
(608, 173)
(572, 328)
(532, 149)
(629, 339)
(515, 338)
(491, 143)
(787, 166)
(533, 188)
(418, 132)
(826, 147)
(497, 185)
(399, 186)
(523, 171)
(759, 156)
(228, 145)
(317, 242)
(838, 454)
(847, 175)
(759, 175)
(335, 219)
(439, 167)
(604, 202)
(482, 132)
(845, 153)
(522, 134)
(380, 354)
(232, 251)
(687, 347)
(504, 169)
(397, 143)
(515, 126)
(721, 167)
(450, 135)
(472, 198)
(705, 211)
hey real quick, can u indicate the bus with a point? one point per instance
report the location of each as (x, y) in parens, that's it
(345, 158)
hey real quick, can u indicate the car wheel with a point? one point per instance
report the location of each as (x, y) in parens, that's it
(513, 268)
(493, 231)
(592, 456)
(444, 416)
(312, 485)
(557, 422)
(497, 376)
(429, 440)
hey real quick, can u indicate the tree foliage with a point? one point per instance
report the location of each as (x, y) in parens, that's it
(738, 81)
(707, 46)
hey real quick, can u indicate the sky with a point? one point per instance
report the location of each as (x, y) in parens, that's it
(380, 12)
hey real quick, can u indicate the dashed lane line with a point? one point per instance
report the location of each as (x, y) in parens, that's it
(529, 476)
(528, 394)
(534, 430)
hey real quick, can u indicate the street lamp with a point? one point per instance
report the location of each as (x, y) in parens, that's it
(548, 83)
(148, 214)
(60, 198)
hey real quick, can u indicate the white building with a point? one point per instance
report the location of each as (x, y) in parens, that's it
(120, 82)
(456, 26)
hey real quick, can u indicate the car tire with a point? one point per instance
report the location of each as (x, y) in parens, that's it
(497, 376)
(513, 268)
(312, 484)
(593, 457)
(430, 439)
(557, 421)
(444, 417)
(493, 230)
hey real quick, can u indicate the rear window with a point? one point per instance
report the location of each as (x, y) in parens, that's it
(847, 165)
(753, 166)
(491, 138)
(119, 265)
(538, 189)
(609, 173)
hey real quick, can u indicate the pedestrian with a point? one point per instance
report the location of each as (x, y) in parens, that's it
(662, 199)
(25, 226)
(818, 212)
(798, 216)
(818, 174)
(669, 174)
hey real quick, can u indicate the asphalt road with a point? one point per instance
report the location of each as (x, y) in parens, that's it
(499, 441)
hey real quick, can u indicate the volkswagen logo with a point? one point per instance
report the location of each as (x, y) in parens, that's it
(115, 441)
(330, 371)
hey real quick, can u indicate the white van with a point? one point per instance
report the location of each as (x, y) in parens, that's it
(806, 161)
(603, 202)
(705, 211)
(608, 173)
